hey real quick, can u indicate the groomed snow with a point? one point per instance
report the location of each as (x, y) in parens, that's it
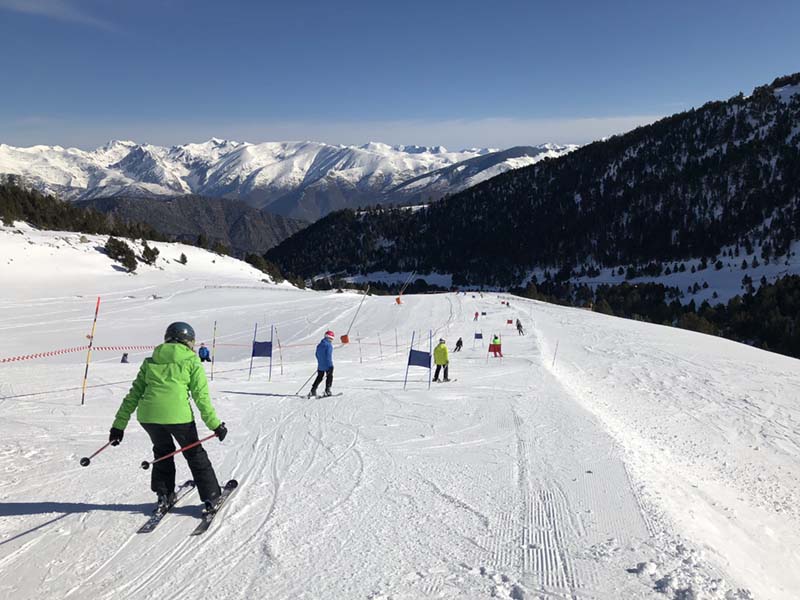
(600, 458)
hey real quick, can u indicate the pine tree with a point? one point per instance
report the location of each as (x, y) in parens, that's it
(149, 254)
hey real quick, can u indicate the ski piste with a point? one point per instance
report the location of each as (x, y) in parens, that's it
(159, 514)
(208, 515)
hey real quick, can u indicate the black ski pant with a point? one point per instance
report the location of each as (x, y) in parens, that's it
(205, 359)
(163, 477)
(328, 375)
(438, 369)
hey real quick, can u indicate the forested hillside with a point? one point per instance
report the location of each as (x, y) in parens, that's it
(725, 175)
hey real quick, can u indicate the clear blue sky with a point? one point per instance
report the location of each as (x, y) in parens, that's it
(458, 73)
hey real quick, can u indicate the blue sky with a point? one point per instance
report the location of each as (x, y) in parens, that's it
(489, 73)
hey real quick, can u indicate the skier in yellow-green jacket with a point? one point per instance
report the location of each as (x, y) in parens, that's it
(442, 359)
(160, 397)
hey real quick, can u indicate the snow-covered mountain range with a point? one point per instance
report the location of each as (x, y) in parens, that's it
(298, 179)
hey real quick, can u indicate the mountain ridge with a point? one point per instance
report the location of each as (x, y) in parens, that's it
(297, 179)
(722, 178)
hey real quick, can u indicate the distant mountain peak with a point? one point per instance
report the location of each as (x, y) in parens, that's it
(303, 179)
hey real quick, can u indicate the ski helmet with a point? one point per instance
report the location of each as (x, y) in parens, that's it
(329, 334)
(180, 332)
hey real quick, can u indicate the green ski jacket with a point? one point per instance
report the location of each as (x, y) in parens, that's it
(160, 392)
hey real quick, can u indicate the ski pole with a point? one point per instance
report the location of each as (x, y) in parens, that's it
(88, 459)
(305, 384)
(146, 463)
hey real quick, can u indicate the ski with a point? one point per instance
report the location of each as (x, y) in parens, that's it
(159, 514)
(208, 515)
(448, 381)
(319, 397)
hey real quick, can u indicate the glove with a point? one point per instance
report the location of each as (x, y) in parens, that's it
(115, 436)
(221, 431)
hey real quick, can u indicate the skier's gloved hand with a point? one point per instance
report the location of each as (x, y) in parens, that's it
(221, 431)
(115, 436)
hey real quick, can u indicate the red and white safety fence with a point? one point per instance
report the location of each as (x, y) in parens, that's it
(76, 349)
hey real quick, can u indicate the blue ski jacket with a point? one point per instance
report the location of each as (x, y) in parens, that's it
(203, 352)
(324, 355)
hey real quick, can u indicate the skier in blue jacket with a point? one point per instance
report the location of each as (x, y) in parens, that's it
(324, 364)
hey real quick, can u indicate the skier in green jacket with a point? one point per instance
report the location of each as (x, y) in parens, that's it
(442, 359)
(160, 396)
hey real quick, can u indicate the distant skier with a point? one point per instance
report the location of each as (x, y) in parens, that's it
(124, 358)
(324, 355)
(476, 316)
(204, 354)
(160, 396)
(441, 358)
(459, 344)
(495, 346)
(520, 330)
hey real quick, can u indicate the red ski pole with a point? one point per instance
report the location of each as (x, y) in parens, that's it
(88, 459)
(146, 463)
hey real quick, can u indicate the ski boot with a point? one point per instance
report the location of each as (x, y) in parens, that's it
(328, 393)
(165, 502)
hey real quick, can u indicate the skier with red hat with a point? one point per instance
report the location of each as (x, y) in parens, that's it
(324, 364)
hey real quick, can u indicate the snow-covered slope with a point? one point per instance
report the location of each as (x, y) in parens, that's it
(457, 177)
(600, 458)
(299, 179)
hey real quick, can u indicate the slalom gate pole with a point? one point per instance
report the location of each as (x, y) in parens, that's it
(554, 355)
(364, 297)
(405, 381)
(430, 357)
(89, 352)
(213, 349)
(280, 352)
(271, 338)
(380, 346)
(146, 463)
(88, 459)
(297, 393)
(250, 372)
(360, 356)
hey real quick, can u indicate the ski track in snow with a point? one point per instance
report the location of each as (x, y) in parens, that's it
(521, 480)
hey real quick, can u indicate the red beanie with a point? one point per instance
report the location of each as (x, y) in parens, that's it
(329, 334)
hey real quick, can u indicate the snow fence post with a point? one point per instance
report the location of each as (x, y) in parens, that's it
(89, 351)
(213, 349)
(280, 352)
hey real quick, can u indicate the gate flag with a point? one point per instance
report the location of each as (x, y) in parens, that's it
(419, 358)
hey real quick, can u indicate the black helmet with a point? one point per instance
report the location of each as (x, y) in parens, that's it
(180, 332)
